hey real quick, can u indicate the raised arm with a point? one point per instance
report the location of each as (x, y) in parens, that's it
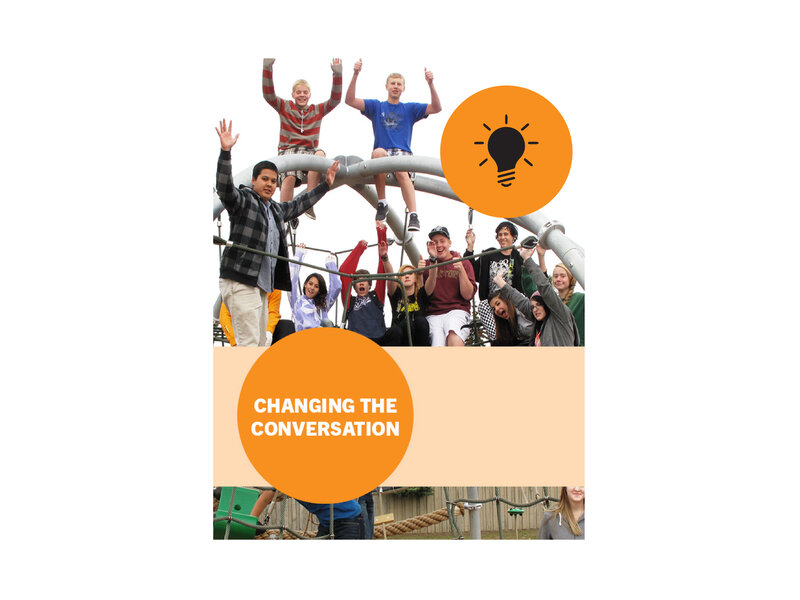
(383, 254)
(470, 239)
(435, 106)
(308, 198)
(540, 252)
(267, 87)
(350, 97)
(295, 270)
(549, 295)
(466, 280)
(350, 265)
(335, 282)
(380, 285)
(227, 192)
(336, 88)
(432, 274)
(510, 294)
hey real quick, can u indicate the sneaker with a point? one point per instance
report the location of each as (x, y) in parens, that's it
(294, 223)
(383, 209)
(310, 214)
(413, 222)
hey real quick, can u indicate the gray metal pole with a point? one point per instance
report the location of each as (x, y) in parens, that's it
(474, 514)
(356, 172)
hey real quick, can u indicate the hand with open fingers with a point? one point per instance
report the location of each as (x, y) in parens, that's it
(330, 258)
(335, 62)
(225, 133)
(383, 249)
(357, 66)
(331, 174)
(431, 248)
(526, 253)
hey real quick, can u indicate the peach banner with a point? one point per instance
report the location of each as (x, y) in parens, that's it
(482, 416)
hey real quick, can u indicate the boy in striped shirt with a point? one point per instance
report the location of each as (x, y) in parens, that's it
(300, 124)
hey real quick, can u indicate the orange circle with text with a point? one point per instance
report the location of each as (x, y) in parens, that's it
(506, 151)
(325, 415)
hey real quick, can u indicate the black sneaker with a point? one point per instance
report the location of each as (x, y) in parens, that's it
(413, 222)
(294, 223)
(310, 214)
(383, 209)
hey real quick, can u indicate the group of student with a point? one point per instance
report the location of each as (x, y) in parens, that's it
(518, 304)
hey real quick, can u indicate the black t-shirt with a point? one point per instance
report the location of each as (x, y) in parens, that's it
(417, 304)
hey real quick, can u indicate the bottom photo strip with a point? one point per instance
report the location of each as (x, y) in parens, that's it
(404, 513)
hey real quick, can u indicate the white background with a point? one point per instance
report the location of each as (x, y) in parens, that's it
(684, 125)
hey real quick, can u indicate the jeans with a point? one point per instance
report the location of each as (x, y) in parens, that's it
(368, 514)
(344, 529)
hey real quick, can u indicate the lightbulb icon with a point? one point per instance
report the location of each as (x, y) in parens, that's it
(506, 146)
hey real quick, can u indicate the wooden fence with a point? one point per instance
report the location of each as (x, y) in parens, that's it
(403, 507)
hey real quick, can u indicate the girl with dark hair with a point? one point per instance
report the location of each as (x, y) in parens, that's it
(553, 323)
(566, 520)
(310, 308)
(512, 327)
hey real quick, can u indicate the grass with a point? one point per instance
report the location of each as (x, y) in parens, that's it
(508, 534)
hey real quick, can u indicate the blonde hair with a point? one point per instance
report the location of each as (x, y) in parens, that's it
(396, 76)
(563, 510)
(572, 282)
(301, 82)
(416, 277)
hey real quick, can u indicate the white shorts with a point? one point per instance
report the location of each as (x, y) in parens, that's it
(442, 325)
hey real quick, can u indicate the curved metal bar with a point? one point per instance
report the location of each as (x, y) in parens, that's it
(551, 236)
(356, 173)
(395, 223)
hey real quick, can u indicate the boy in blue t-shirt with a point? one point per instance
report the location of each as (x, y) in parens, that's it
(392, 123)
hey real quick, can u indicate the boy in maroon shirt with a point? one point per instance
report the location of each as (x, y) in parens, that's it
(451, 289)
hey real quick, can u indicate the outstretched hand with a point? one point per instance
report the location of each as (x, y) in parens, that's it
(335, 63)
(330, 175)
(383, 249)
(225, 133)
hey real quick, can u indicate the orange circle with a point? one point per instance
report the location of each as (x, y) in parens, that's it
(506, 151)
(304, 425)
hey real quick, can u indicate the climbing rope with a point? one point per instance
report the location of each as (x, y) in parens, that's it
(409, 525)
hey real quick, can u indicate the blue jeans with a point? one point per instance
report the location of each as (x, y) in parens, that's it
(344, 529)
(368, 514)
